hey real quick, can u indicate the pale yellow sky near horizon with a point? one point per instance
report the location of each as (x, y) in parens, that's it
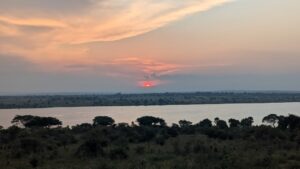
(154, 40)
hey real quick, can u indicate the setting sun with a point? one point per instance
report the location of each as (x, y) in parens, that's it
(147, 84)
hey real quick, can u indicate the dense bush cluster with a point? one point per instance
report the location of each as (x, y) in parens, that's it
(151, 144)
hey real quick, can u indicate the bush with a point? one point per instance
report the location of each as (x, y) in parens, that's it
(118, 153)
(144, 134)
(90, 148)
(160, 140)
(82, 127)
(31, 145)
(34, 163)
(140, 150)
(172, 132)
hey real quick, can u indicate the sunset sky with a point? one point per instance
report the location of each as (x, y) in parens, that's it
(149, 45)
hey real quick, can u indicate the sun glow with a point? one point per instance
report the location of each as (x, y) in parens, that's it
(147, 84)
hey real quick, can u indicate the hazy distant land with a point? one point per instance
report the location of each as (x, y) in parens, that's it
(79, 100)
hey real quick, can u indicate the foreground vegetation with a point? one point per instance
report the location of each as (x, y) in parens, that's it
(145, 99)
(41, 142)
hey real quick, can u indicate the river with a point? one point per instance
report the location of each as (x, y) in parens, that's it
(171, 113)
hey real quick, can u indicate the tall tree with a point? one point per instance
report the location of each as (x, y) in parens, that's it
(220, 123)
(184, 123)
(151, 121)
(293, 121)
(103, 121)
(271, 118)
(35, 121)
(247, 122)
(206, 123)
(233, 123)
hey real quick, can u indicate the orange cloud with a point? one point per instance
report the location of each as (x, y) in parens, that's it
(47, 37)
(32, 22)
(110, 20)
(134, 18)
(150, 68)
(131, 67)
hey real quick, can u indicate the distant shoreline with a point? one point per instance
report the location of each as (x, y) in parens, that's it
(143, 105)
(151, 99)
(7, 94)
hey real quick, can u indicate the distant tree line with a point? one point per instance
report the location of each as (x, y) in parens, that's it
(145, 99)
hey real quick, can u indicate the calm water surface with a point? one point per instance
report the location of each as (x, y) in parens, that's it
(172, 114)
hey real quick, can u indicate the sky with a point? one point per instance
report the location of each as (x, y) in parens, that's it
(138, 46)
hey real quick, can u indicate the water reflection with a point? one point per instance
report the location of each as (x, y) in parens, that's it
(172, 114)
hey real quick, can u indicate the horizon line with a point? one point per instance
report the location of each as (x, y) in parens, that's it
(4, 94)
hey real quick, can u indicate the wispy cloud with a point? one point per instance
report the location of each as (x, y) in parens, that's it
(150, 68)
(43, 31)
(40, 22)
(102, 20)
(132, 67)
(131, 18)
